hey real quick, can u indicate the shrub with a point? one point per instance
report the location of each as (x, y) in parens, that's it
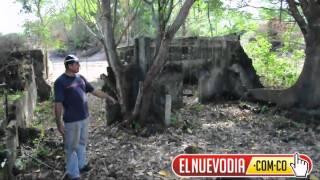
(277, 69)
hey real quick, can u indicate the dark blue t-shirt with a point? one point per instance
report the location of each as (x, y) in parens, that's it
(71, 92)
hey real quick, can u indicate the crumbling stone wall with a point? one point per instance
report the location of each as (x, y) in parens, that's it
(39, 60)
(16, 68)
(218, 65)
(17, 71)
(228, 73)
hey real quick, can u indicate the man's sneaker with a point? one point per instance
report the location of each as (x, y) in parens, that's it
(85, 168)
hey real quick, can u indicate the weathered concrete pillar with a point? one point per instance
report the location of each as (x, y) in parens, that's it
(40, 68)
(12, 143)
(144, 54)
(46, 65)
(167, 113)
(24, 106)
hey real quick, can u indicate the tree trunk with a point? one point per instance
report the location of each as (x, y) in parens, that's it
(160, 59)
(113, 57)
(105, 51)
(122, 83)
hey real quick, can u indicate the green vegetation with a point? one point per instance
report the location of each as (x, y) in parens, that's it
(40, 149)
(198, 107)
(136, 125)
(43, 116)
(173, 119)
(2, 109)
(277, 68)
(15, 96)
(44, 107)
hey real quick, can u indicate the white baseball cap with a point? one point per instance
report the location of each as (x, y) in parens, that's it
(71, 59)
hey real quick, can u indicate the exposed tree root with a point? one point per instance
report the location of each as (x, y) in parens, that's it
(284, 98)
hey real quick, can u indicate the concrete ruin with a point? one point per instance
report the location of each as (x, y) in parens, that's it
(22, 73)
(218, 65)
(17, 67)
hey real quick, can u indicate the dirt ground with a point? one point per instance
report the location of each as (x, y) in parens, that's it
(229, 127)
(90, 67)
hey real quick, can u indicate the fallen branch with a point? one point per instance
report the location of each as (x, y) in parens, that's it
(39, 161)
(136, 108)
(64, 175)
(36, 159)
(138, 100)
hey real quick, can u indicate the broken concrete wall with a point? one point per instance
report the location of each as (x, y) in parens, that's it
(41, 73)
(19, 76)
(229, 73)
(218, 65)
(20, 114)
(16, 76)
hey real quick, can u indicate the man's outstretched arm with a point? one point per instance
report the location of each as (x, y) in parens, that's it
(103, 95)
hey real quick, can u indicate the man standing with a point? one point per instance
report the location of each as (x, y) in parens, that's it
(70, 98)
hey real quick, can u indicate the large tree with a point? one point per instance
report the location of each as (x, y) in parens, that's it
(306, 91)
(165, 35)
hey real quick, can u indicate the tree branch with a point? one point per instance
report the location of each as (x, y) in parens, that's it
(184, 11)
(169, 12)
(115, 14)
(162, 53)
(210, 24)
(90, 30)
(304, 6)
(311, 10)
(281, 7)
(129, 23)
(251, 6)
(138, 100)
(154, 19)
(115, 64)
(297, 16)
(126, 28)
(109, 37)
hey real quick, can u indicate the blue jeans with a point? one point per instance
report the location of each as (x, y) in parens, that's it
(75, 140)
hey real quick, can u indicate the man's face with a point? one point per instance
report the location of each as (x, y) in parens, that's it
(74, 67)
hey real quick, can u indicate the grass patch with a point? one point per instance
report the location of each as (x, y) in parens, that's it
(44, 107)
(198, 107)
(15, 96)
(43, 115)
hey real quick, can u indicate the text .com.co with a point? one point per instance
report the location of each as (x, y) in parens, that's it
(242, 165)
